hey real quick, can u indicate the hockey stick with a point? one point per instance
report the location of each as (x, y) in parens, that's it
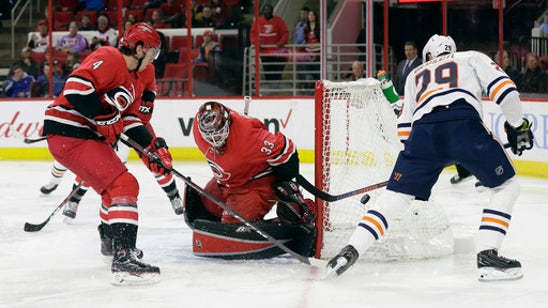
(247, 101)
(33, 228)
(261, 232)
(328, 197)
(17, 134)
(29, 140)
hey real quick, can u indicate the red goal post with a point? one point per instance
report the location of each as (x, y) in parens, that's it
(356, 145)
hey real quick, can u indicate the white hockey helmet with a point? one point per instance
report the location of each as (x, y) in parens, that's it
(438, 45)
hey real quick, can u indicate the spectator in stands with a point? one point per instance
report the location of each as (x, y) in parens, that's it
(72, 63)
(533, 79)
(127, 24)
(105, 35)
(171, 13)
(73, 41)
(273, 36)
(298, 36)
(19, 84)
(312, 35)
(220, 13)
(132, 18)
(92, 5)
(40, 88)
(157, 21)
(85, 24)
(39, 41)
(405, 66)
(207, 20)
(207, 48)
(196, 10)
(26, 63)
(358, 71)
(511, 71)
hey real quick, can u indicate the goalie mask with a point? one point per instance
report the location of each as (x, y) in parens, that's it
(438, 45)
(214, 123)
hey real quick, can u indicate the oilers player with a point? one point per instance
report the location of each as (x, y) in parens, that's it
(440, 125)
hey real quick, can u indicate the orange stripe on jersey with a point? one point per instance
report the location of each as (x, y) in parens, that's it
(404, 133)
(497, 221)
(376, 223)
(425, 95)
(499, 87)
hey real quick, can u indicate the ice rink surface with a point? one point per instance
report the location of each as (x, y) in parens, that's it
(61, 265)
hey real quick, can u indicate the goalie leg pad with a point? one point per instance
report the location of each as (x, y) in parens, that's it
(239, 242)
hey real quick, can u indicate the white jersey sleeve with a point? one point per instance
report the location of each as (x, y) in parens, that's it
(461, 75)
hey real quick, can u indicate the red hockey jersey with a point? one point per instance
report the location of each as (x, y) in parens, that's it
(102, 71)
(250, 151)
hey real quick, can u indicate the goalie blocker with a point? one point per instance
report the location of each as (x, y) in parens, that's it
(211, 238)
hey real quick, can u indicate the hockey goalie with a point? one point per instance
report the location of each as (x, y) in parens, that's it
(253, 171)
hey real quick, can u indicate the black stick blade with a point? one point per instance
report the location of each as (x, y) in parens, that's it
(33, 228)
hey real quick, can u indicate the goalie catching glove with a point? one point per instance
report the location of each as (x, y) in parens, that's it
(520, 138)
(288, 193)
(162, 163)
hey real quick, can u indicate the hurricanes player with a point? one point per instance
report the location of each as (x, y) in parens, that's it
(247, 162)
(441, 124)
(84, 123)
(140, 112)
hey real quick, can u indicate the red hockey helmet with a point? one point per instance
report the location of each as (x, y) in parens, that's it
(141, 33)
(214, 123)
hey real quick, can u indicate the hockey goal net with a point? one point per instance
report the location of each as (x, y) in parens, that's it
(356, 145)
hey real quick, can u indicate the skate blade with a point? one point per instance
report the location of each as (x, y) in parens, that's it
(497, 274)
(332, 271)
(126, 279)
(68, 220)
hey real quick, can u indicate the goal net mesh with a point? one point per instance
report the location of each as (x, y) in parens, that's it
(356, 145)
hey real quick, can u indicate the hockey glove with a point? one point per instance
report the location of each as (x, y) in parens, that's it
(520, 138)
(389, 91)
(162, 164)
(289, 192)
(109, 125)
(146, 106)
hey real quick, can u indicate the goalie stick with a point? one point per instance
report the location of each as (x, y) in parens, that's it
(17, 134)
(28, 227)
(261, 232)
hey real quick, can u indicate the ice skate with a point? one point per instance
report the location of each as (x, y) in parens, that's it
(177, 205)
(128, 270)
(492, 267)
(342, 261)
(69, 211)
(48, 188)
(107, 248)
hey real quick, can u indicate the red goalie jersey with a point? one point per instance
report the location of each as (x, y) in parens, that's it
(250, 151)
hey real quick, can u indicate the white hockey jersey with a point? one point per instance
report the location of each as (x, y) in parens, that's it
(461, 75)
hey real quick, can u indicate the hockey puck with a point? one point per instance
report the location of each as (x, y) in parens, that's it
(365, 199)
